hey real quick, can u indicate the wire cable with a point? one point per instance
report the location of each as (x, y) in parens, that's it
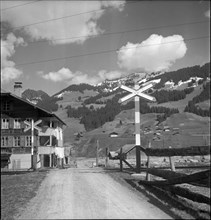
(67, 16)
(107, 51)
(4, 9)
(117, 32)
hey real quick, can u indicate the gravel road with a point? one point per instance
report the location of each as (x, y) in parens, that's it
(87, 193)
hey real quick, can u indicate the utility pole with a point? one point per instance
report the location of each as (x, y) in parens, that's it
(106, 157)
(97, 153)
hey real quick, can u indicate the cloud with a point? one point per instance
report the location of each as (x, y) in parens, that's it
(61, 75)
(8, 70)
(207, 14)
(103, 74)
(66, 75)
(71, 27)
(157, 53)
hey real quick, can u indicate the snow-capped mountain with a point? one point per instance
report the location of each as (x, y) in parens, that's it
(34, 96)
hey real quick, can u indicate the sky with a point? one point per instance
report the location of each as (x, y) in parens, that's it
(49, 45)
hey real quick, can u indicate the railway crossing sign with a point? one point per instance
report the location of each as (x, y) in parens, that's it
(32, 125)
(137, 92)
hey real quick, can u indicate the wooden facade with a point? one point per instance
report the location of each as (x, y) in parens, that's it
(16, 142)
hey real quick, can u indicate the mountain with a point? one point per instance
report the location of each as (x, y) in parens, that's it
(34, 96)
(41, 99)
(94, 105)
(94, 111)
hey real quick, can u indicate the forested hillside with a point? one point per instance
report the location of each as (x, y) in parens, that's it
(205, 95)
(108, 93)
(184, 74)
(92, 118)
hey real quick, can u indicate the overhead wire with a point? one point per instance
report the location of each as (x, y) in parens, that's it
(117, 32)
(107, 51)
(15, 6)
(67, 16)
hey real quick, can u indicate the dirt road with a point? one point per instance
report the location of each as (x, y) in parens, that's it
(87, 193)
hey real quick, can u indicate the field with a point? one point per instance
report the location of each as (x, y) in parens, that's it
(17, 190)
(186, 129)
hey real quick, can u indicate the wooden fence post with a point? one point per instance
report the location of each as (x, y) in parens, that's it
(148, 165)
(121, 164)
(97, 155)
(106, 159)
(171, 162)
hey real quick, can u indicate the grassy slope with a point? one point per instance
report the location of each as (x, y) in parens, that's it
(189, 125)
(180, 105)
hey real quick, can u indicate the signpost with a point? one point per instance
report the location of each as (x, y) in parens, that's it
(32, 126)
(136, 93)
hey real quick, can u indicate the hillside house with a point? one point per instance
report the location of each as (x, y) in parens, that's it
(113, 134)
(17, 138)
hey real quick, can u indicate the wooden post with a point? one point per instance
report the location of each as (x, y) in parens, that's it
(148, 165)
(106, 158)
(171, 162)
(121, 163)
(42, 160)
(97, 156)
(50, 160)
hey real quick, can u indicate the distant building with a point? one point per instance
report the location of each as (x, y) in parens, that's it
(17, 115)
(113, 134)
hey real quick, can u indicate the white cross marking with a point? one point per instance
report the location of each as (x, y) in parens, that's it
(35, 125)
(138, 92)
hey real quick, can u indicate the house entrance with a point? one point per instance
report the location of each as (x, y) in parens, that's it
(46, 160)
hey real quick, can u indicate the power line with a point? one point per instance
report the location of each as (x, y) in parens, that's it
(64, 17)
(107, 51)
(118, 32)
(4, 9)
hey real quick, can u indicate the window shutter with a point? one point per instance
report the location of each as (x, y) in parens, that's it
(11, 123)
(22, 141)
(22, 125)
(10, 141)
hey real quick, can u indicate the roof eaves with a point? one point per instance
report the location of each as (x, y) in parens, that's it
(23, 100)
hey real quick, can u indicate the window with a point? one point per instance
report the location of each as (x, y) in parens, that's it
(17, 123)
(6, 106)
(28, 141)
(44, 140)
(4, 141)
(17, 141)
(28, 120)
(5, 123)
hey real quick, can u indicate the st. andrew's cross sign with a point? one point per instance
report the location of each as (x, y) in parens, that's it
(32, 126)
(137, 92)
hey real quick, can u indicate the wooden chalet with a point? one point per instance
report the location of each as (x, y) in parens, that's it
(17, 137)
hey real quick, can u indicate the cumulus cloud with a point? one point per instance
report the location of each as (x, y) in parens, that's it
(8, 70)
(207, 14)
(61, 75)
(157, 53)
(103, 74)
(68, 28)
(66, 75)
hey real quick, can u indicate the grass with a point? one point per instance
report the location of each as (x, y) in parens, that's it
(17, 190)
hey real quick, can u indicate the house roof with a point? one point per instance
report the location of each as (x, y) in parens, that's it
(5, 93)
(113, 133)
